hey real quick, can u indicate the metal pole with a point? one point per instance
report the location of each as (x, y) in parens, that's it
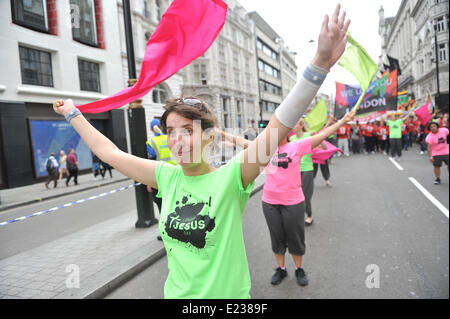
(138, 131)
(129, 39)
(436, 59)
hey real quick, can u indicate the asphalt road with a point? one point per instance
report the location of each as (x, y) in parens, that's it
(372, 228)
(33, 232)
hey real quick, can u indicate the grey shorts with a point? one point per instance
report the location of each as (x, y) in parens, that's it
(287, 227)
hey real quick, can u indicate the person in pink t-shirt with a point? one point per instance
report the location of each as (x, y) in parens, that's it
(283, 200)
(437, 148)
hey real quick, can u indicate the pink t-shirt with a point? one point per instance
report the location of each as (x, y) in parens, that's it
(283, 185)
(438, 142)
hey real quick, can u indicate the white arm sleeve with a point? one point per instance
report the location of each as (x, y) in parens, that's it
(295, 104)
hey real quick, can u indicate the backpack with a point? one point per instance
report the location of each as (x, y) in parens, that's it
(49, 165)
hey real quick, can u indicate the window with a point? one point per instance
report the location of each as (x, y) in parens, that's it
(36, 67)
(148, 35)
(269, 106)
(260, 65)
(421, 66)
(146, 10)
(158, 10)
(84, 29)
(237, 78)
(266, 49)
(234, 34)
(30, 13)
(159, 94)
(442, 53)
(225, 106)
(89, 73)
(223, 73)
(268, 69)
(222, 51)
(200, 74)
(440, 24)
(248, 81)
(235, 58)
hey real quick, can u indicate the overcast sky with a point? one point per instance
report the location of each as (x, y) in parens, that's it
(298, 21)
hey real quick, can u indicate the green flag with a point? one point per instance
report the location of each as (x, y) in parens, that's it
(317, 117)
(356, 60)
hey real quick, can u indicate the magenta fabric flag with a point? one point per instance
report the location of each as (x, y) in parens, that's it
(423, 114)
(186, 31)
(320, 156)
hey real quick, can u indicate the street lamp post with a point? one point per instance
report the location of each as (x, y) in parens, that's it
(436, 51)
(137, 126)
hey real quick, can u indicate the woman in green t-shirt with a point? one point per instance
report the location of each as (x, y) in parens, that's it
(201, 218)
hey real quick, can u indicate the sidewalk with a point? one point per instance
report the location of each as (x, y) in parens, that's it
(20, 196)
(87, 264)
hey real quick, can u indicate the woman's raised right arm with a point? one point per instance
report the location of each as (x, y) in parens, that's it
(136, 168)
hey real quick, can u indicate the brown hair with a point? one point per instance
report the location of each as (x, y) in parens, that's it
(186, 107)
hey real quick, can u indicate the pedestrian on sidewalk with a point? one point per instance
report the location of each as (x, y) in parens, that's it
(72, 166)
(201, 219)
(96, 167)
(283, 201)
(52, 170)
(62, 165)
(438, 149)
(106, 167)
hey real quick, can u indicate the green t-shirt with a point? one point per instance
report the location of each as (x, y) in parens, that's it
(395, 128)
(306, 164)
(201, 226)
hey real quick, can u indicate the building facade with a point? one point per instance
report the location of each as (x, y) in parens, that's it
(277, 71)
(54, 49)
(410, 37)
(146, 15)
(76, 49)
(225, 76)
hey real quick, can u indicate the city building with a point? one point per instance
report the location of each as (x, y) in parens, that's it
(225, 76)
(76, 49)
(410, 38)
(145, 16)
(54, 49)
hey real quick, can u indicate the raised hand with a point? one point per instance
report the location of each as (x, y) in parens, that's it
(349, 117)
(62, 107)
(332, 39)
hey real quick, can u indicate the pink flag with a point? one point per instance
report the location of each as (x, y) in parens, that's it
(320, 156)
(185, 32)
(423, 114)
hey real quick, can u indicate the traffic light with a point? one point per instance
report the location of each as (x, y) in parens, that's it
(262, 124)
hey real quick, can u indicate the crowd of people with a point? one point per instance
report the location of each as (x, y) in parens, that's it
(67, 166)
(376, 136)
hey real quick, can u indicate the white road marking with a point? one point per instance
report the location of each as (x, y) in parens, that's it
(428, 195)
(396, 164)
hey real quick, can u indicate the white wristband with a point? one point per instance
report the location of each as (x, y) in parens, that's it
(71, 114)
(295, 104)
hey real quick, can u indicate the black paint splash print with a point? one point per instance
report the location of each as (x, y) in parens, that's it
(187, 225)
(281, 160)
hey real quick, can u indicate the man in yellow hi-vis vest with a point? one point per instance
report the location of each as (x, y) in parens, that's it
(157, 149)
